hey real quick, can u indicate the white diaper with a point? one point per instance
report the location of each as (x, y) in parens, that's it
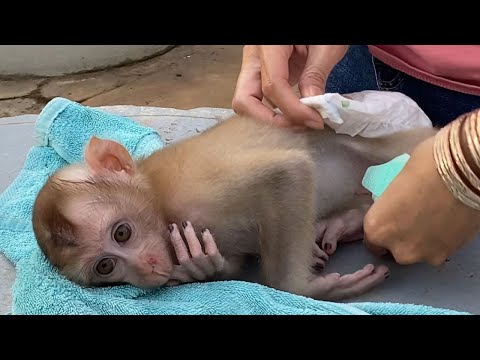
(369, 113)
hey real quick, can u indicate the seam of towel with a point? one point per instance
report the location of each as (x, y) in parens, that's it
(46, 118)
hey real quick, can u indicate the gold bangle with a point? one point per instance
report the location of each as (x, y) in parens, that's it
(460, 160)
(451, 162)
(471, 134)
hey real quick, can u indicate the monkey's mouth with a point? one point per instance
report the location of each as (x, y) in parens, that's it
(160, 273)
(158, 277)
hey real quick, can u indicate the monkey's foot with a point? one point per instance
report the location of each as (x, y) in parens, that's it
(334, 287)
(320, 257)
(195, 264)
(344, 227)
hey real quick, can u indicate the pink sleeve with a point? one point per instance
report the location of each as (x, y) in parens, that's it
(455, 67)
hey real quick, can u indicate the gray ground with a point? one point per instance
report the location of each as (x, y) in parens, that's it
(456, 285)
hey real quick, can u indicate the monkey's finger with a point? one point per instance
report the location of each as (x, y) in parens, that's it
(206, 266)
(178, 244)
(183, 255)
(188, 272)
(212, 251)
(180, 274)
(192, 240)
(319, 253)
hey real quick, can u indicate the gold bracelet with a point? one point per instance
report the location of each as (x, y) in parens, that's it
(457, 151)
(451, 162)
(473, 141)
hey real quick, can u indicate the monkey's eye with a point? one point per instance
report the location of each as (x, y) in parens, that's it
(122, 233)
(105, 266)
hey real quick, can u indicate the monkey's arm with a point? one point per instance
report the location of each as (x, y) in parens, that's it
(197, 262)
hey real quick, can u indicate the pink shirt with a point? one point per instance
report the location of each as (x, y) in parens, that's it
(455, 67)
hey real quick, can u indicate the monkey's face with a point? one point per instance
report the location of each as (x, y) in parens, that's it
(105, 232)
(122, 242)
(99, 224)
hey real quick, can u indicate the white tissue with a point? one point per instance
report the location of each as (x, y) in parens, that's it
(369, 113)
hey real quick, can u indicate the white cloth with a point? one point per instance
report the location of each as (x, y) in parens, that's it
(369, 113)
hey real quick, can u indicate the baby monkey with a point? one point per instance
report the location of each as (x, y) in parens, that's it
(245, 188)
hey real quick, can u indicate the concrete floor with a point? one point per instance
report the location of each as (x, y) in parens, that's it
(185, 77)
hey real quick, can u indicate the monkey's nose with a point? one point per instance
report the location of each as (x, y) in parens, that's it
(152, 260)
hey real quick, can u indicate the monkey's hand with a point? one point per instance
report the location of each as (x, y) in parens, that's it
(195, 263)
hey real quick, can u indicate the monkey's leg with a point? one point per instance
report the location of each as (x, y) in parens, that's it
(281, 184)
(345, 226)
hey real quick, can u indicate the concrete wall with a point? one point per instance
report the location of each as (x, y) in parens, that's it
(54, 60)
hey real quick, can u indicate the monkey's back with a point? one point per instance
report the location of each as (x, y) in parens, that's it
(206, 178)
(210, 178)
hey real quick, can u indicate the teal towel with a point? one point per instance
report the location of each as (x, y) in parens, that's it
(62, 129)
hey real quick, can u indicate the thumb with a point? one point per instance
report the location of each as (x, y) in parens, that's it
(313, 79)
(321, 60)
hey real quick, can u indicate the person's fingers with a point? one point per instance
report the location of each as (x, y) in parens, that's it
(371, 239)
(313, 79)
(274, 61)
(248, 96)
(320, 62)
(374, 249)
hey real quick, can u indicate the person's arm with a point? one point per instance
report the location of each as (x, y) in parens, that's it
(271, 71)
(432, 208)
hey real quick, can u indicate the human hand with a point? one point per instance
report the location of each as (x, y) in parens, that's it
(268, 74)
(417, 219)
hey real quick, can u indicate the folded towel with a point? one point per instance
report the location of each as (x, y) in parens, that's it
(63, 128)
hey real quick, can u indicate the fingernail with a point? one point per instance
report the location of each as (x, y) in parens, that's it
(328, 247)
(184, 224)
(314, 125)
(170, 227)
(203, 230)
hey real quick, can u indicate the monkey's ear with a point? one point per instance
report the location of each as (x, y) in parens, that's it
(101, 155)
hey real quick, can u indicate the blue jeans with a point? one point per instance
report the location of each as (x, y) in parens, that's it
(359, 71)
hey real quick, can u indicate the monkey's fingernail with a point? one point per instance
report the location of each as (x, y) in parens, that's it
(184, 224)
(327, 246)
(203, 230)
(170, 227)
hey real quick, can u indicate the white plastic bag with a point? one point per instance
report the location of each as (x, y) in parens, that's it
(369, 113)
